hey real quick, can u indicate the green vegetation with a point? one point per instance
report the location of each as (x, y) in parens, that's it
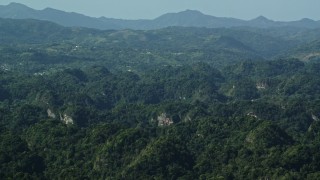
(89, 104)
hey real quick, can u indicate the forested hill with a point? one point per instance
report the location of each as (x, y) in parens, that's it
(172, 103)
(187, 18)
(46, 44)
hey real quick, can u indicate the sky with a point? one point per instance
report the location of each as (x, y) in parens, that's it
(280, 10)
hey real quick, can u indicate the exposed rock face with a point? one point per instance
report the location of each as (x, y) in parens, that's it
(187, 118)
(66, 119)
(163, 120)
(251, 114)
(261, 85)
(51, 114)
(314, 117)
(308, 57)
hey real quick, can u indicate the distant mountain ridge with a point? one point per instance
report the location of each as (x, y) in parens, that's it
(187, 18)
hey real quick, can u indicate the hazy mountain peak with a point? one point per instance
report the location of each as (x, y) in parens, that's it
(17, 5)
(261, 19)
(307, 20)
(185, 14)
(191, 12)
(49, 9)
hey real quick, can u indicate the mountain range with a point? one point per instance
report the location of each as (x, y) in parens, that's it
(187, 18)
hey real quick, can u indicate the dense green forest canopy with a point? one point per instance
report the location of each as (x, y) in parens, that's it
(173, 103)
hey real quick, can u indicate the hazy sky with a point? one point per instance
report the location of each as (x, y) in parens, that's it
(148, 9)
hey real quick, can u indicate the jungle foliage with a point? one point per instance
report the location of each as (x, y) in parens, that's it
(87, 104)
